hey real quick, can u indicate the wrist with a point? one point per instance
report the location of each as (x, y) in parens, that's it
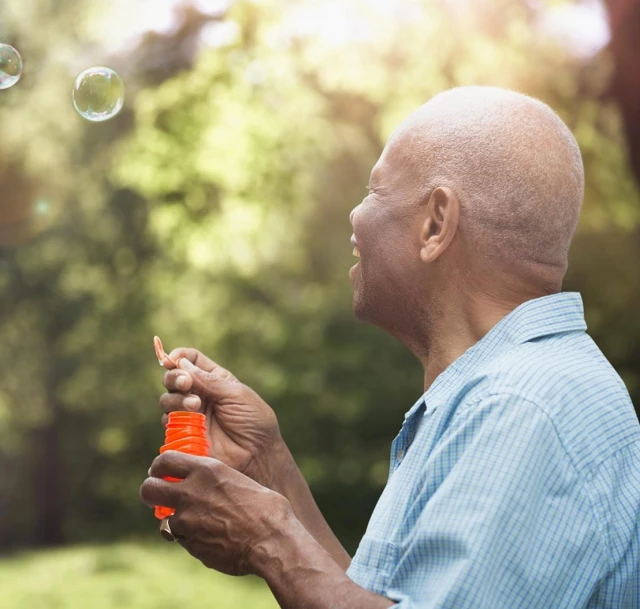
(277, 547)
(279, 466)
(300, 572)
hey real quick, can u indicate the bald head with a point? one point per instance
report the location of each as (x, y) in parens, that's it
(514, 165)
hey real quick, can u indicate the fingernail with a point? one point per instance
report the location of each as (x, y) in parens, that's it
(181, 381)
(191, 403)
(149, 472)
(185, 364)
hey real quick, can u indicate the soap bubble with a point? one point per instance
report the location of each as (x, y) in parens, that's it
(98, 94)
(10, 66)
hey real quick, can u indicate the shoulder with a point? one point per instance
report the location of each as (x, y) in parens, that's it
(569, 380)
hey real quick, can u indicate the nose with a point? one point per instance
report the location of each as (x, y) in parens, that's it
(353, 211)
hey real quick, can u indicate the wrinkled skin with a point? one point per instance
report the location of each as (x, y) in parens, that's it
(243, 429)
(221, 515)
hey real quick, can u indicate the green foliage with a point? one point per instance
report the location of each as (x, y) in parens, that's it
(123, 576)
(214, 211)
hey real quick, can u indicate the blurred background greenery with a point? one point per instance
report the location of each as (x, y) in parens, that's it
(213, 211)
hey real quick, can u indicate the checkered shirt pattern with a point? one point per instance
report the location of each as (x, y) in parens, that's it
(515, 479)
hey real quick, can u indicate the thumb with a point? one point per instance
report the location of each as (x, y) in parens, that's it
(210, 383)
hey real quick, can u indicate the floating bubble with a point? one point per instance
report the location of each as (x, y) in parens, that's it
(98, 94)
(10, 66)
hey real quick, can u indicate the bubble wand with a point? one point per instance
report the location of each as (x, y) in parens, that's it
(160, 354)
(185, 432)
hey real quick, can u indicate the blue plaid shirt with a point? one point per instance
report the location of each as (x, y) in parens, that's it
(515, 479)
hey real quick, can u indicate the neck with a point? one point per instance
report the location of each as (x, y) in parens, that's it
(459, 325)
(466, 310)
(439, 330)
(458, 329)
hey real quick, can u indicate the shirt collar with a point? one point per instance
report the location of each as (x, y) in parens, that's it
(554, 314)
(544, 316)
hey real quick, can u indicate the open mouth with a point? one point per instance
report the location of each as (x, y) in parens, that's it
(356, 251)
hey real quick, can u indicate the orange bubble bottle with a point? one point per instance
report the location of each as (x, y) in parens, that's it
(187, 433)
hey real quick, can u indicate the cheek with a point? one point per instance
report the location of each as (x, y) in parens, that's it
(389, 263)
(383, 240)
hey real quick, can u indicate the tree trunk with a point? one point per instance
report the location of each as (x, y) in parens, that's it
(49, 483)
(624, 19)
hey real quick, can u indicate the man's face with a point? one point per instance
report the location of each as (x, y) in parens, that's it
(386, 234)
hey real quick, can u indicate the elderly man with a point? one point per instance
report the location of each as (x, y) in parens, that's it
(515, 478)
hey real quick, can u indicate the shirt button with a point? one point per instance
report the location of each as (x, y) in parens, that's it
(400, 454)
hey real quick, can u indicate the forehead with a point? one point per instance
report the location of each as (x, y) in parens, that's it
(395, 165)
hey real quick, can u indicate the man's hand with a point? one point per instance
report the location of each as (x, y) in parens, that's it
(244, 435)
(234, 525)
(221, 515)
(243, 429)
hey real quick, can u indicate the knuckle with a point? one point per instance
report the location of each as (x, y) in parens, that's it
(213, 376)
(146, 490)
(213, 470)
(213, 465)
(225, 375)
(166, 379)
(203, 474)
(171, 401)
(189, 497)
(176, 380)
(158, 462)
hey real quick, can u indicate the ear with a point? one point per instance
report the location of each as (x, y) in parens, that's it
(440, 224)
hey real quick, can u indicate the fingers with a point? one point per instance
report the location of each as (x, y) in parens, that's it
(155, 491)
(216, 383)
(178, 383)
(203, 375)
(174, 464)
(194, 356)
(177, 380)
(170, 402)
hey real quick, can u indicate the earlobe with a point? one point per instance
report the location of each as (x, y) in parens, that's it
(440, 223)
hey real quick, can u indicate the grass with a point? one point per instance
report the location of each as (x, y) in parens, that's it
(123, 576)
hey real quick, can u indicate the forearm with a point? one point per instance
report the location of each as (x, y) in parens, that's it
(302, 575)
(289, 481)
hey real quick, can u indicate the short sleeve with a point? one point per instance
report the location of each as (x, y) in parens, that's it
(508, 523)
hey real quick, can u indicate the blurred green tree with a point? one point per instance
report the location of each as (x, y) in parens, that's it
(287, 106)
(74, 320)
(214, 212)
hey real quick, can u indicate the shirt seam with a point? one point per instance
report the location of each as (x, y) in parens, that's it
(585, 484)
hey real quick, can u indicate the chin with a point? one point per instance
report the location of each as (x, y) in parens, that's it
(368, 300)
(364, 309)
(359, 305)
(359, 311)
